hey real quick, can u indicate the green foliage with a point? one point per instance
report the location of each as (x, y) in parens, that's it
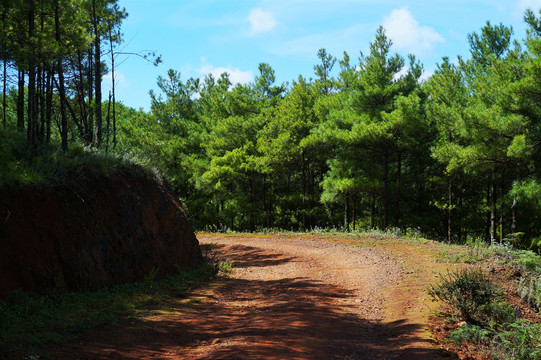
(519, 340)
(223, 268)
(470, 333)
(480, 250)
(366, 145)
(490, 323)
(371, 147)
(529, 189)
(472, 297)
(527, 261)
(48, 165)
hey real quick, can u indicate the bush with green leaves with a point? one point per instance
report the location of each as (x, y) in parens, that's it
(490, 322)
(470, 333)
(518, 340)
(472, 297)
(527, 261)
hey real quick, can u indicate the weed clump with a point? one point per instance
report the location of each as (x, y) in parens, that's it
(472, 297)
(486, 320)
(223, 268)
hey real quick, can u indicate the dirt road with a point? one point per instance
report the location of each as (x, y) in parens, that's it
(294, 297)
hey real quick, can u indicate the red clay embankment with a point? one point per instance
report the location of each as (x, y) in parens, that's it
(91, 231)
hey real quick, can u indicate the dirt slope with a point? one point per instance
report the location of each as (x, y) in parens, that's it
(91, 231)
(291, 297)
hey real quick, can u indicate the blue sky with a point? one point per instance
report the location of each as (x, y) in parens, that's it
(197, 37)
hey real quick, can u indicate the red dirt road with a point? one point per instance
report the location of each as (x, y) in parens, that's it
(291, 297)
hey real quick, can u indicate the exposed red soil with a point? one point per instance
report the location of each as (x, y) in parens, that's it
(91, 231)
(289, 297)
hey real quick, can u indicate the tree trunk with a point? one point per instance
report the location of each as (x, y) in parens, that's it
(458, 215)
(449, 209)
(20, 102)
(62, 90)
(97, 74)
(398, 191)
(41, 102)
(493, 208)
(514, 206)
(82, 100)
(108, 123)
(450, 200)
(386, 188)
(113, 84)
(5, 73)
(303, 192)
(31, 109)
(40, 96)
(373, 212)
(502, 191)
(353, 212)
(49, 105)
(91, 133)
(270, 205)
(4, 92)
(346, 213)
(265, 200)
(514, 217)
(63, 101)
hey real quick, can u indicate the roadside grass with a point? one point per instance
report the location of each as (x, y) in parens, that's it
(476, 250)
(484, 322)
(413, 234)
(497, 330)
(27, 320)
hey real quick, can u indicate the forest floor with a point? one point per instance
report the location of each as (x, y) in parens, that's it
(291, 297)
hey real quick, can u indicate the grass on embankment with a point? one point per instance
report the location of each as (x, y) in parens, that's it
(47, 164)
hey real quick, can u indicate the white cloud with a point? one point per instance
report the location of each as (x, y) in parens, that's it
(427, 74)
(261, 21)
(403, 72)
(235, 75)
(407, 34)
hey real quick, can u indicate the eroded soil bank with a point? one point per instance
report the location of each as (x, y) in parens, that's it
(290, 297)
(92, 230)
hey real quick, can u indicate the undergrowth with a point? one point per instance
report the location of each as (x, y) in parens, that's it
(486, 319)
(390, 233)
(28, 320)
(224, 267)
(20, 164)
(472, 297)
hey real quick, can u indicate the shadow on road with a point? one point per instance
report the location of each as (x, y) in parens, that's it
(249, 256)
(295, 318)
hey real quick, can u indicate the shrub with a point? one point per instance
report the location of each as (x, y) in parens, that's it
(528, 261)
(470, 333)
(472, 297)
(519, 340)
